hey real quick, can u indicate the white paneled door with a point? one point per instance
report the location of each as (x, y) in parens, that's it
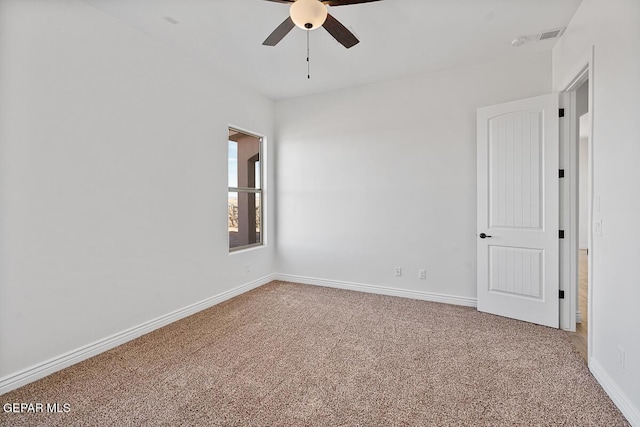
(518, 210)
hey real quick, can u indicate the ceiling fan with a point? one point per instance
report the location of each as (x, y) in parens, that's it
(311, 14)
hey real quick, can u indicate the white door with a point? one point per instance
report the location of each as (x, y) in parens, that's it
(518, 210)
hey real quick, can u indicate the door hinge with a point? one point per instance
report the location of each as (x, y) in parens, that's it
(561, 294)
(561, 112)
(561, 234)
(561, 173)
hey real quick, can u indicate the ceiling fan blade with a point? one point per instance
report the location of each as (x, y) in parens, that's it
(340, 32)
(279, 33)
(343, 2)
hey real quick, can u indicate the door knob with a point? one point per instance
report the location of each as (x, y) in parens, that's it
(484, 236)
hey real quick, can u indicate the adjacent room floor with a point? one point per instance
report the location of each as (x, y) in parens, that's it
(579, 338)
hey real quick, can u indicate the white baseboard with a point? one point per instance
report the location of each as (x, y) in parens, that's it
(628, 409)
(382, 290)
(40, 370)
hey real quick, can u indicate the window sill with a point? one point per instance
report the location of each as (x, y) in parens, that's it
(244, 249)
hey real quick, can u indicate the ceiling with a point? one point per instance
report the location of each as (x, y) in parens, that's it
(397, 38)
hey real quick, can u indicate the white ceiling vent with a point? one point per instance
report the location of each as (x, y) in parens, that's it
(551, 34)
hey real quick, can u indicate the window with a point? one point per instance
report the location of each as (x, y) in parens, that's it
(245, 190)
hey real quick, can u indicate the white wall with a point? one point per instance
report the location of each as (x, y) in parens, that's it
(583, 185)
(113, 179)
(613, 27)
(384, 175)
(582, 108)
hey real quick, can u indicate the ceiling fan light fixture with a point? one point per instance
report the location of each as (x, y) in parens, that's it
(308, 14)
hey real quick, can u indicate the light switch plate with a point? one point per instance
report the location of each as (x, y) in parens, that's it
(597, 228)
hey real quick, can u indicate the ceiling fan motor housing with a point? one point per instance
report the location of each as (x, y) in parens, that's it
(308, 14)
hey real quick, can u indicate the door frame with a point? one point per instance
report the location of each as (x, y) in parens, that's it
(569, 247)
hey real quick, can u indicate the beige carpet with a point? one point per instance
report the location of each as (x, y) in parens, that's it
(295, 355)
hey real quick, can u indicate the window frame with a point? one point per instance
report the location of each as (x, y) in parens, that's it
(238, 190)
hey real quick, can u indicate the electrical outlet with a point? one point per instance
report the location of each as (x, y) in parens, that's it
(422, 274)
(398, 271)
(621, 354)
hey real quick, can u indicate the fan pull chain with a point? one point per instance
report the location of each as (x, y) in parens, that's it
(308, 63)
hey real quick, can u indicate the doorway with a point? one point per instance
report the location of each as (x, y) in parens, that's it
(576, 210)
(582, 314)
